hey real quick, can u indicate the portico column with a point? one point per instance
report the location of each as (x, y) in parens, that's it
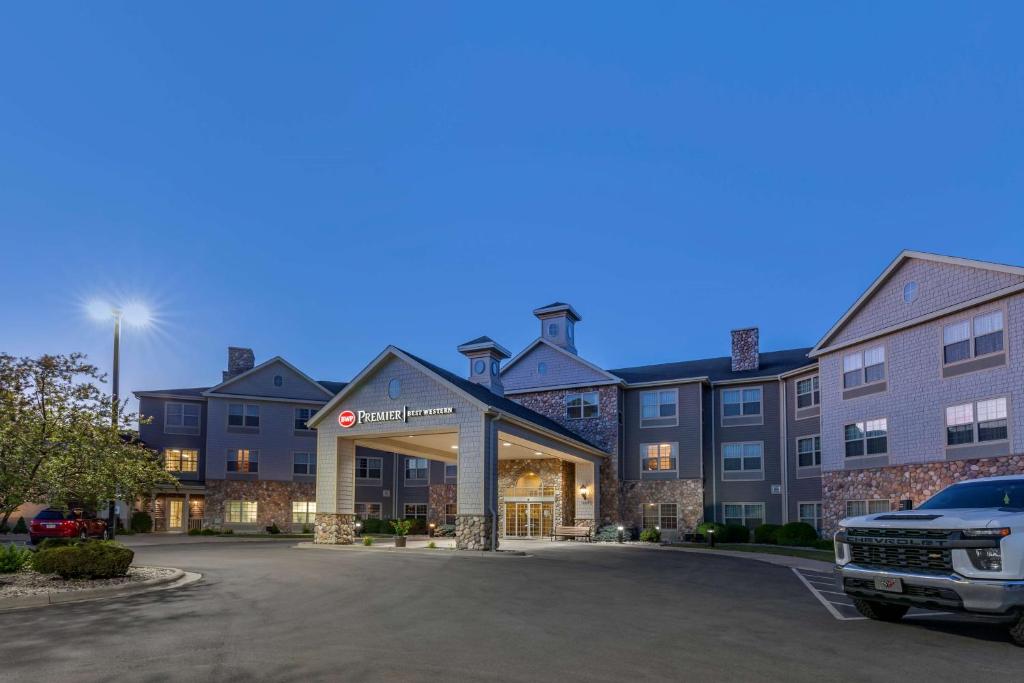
(587, 495)
(335, 490)
(478, 487)
(186, 514)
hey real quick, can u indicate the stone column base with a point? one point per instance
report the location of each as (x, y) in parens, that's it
(587, 522)
(473, 532)
(334, 529)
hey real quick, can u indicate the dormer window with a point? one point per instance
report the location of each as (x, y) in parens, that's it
(479, 366)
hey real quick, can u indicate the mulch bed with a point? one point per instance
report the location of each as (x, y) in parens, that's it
(27, 582)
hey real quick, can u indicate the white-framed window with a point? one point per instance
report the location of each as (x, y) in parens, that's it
(368, 510)
(303, 511)
(369, 468)
(808, 451)
(450, 513)
(661, 515)
(304, 463)
(977, 422)
(870, 437)
(658, 457)
(182, 418)
(750, 515)
(302, 416)
(657, 407)
(451, 472)
(742, 457)
(243, 415)
(741, 402)
(579, 406)
(859, 508)
(415, 511)
(243, 460)
(986, 331)
(865, 366)
(181, 459)
(807, 392)
(415, 469)
(240, 511)
(810, 513)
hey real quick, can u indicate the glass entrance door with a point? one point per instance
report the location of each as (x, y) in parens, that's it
(529, 520)
(174, 514)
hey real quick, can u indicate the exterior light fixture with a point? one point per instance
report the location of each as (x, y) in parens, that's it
(505, 443)
(455, 448)
(583, 492)
(621, 535)
(711, 537)
(537, 453)
(431, 525)
(359, 525)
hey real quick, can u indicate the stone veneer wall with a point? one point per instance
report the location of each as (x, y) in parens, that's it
(916, 482)
(602, 431)
(334, 529)
(438, 496)
(474, 532)
(687, 494)
(274, 502)
(550, 471)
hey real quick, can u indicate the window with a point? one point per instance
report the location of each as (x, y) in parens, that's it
(243, 415)
(808, 451)
(304, 463)
(867, 438)
(368, 510)
(737, 402)
(658, 457)
(302, 415)
(987, 334)
(542, 368)
(807, 393)
(451, 471)
(552, 330)
(416, 469)
(394, 388)
(240, 511)
(742, 457)
(810, 513)
(859, 508)
(864, 367)
(415, 511)
(181, 460)
(369, 468)
(579, 406)
(182, 417)
(303, 512)
(990, 425)
(663, 515)
(243, 460)
(479, 366)
(909, 292)
(278, 380)
(657, 406)
(450, 513)
(750, 515)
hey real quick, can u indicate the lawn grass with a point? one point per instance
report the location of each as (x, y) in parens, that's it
(806, 553)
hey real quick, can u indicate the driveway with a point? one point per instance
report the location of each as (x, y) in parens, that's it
(270, 611)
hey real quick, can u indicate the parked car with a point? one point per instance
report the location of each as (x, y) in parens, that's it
(57, 523)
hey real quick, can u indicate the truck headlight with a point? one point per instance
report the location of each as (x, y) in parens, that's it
(997, 532)
(840, 548)
(986, 559)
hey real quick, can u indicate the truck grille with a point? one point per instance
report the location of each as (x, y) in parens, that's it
(902, 557)
(930, 534)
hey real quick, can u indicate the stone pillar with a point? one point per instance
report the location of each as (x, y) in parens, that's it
(587, 509)
(474, 532)
(334, 529)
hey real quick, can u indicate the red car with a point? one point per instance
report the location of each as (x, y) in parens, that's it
(56, 523)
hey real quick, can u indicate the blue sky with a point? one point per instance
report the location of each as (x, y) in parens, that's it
(319, 181)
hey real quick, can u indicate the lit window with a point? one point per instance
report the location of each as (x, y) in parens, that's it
(368, 510)
(415, 511)
(243, 460)
(579, 406)
(304, 464)
(808, 451)
(658, 457)
(737, 402)
(416, 469)
(810, 513)
(750, 515)
(807, 393)
(369, 468)
(181, 460)
(864, 367)
(240, 512)
(664, 515)
(303, 512)
(302, 416)
(742, 457)
(657, 406)
(986, 331)
(867, 438)
(990, 425)
(859, 508)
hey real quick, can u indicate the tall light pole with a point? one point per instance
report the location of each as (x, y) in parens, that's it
(116, 381)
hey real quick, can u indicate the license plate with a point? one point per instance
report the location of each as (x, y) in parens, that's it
(889, 584)
(51, 526)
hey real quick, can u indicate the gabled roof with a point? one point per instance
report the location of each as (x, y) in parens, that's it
(902, 258)
(772, 364)
(558, 307)
(579, 359)
(333, 387)
(219, 389)
(484, 342)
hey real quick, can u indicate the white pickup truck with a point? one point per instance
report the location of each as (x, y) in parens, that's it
(962, 550)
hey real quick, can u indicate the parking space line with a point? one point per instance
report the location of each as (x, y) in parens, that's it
(828, 604)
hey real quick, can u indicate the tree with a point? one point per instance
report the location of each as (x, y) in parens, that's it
(58, 442)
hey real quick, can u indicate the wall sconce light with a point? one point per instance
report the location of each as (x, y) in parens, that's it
(583, 492)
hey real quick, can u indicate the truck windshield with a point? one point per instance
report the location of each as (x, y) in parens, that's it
(982, 494)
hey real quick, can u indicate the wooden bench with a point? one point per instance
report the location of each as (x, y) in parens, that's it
(572, 532)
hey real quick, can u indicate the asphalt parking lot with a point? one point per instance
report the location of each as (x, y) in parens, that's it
(269, 611)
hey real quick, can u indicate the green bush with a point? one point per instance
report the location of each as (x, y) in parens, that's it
(20, 527)
(650, 535)
(13, 558)
(376, 526)
(445, 530)
(367, 540)
(90, 560)
(767, 533)
(273, 529)
(195, 532)
(142, 523)
(307, 529)
(825, 544)
(57, 543)
(208, 531)
(418, 526)
(798, 533)
(734, 533)
(703, 529)
(431, 545)
(610, 533)
(401, 526)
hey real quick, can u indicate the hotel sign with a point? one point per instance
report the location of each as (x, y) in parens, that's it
(349, 418)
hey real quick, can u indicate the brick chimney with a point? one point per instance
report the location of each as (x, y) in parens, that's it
(239, 360)
(485, 356)
(746, 350)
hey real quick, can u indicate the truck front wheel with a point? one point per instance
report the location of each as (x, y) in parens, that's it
(882, 611)
(1017, 631)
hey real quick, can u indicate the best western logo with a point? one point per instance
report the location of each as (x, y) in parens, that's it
(348, 418)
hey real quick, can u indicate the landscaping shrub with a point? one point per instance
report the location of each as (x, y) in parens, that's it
(719, 530)
(418, 526)
(90, 560)
(142, 523)
(401, 526)
(195, 532)
(767, 533)
(798, 533)
(825, 544)
(273, 529)
(377, 526)
(650, 535)
(610, 532)
(734, 533)
(13, 558)
(431, 545)
(367, 540)
(20, 527)
(445, 530)
(307, 529)
(208, 531)
(57, 543)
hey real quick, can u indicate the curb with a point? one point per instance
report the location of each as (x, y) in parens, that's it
(433, 552)
(778, 560)
(179, 577)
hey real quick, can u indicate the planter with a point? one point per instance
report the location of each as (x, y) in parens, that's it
(399, 541)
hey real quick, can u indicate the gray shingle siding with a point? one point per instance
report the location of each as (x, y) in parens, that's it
(562, 370)
(805, 489)
(687, 434)
(152, 433)
(261, 383)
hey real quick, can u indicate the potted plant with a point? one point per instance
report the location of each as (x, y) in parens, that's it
(401, 527)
